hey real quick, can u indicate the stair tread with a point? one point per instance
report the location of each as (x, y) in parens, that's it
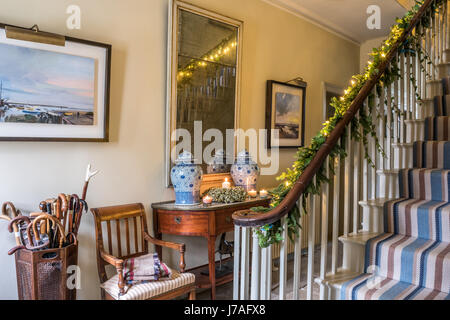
(341, 276)
(403, 144)
(368, 287)
(376, 202)
(388, 171)
(359, 238)
(414, 120)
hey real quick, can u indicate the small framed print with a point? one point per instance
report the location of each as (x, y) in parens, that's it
(285, 114)
(54, 93)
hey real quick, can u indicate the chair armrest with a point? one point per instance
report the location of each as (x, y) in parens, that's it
(118, 264)
(181, 247)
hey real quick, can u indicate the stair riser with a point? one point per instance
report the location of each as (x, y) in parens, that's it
(437, 128)
(431, 154)
(447, 55)
(443, 70)
(353, 256)
(440, 106)
(434, 88)
(388, 187)
(415, 131)
(430, 184)
(425, 109)
(403, 156)
(372, 218)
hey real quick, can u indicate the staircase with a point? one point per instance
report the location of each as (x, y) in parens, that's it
(411, 258)
(392, 218)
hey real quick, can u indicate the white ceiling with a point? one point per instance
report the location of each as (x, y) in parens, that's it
(347, 18)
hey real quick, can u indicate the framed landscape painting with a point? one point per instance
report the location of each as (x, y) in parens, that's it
(54, 93)
(285, 114)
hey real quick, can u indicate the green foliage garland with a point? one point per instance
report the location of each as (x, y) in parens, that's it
(230, 195)
(361, 127)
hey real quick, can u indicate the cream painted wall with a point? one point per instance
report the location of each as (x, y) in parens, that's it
(366, 48)
(277, 45)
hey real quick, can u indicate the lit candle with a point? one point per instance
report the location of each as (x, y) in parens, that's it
(226, 184)
(252, 193)
(263, 194)
(207, 199)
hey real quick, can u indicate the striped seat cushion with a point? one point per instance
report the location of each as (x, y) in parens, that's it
(431, 154)
(441, 105)
(437, 128)
(421, 262)
(419, 218)
(368, 287)
(148, 290)
(429, 184)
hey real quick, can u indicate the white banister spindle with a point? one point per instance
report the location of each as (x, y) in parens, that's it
(266, 272)
(283, 260)
(298, 254)
(366, 182)
(427, 52)
(439, 36)
(423, 72)
(356, 183)
(408, 86)
(434, 46)
(245, 253)
(413, 91)
(311, 244)
(336, 198)
(255, 276)
(444, 28)
(373, 148)
(237, 247)
(348, 180)
(447, 45)
(324, 232)
(382, 141)
(390, 158)
(396, 132)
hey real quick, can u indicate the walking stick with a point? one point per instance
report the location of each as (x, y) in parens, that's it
(89, 175)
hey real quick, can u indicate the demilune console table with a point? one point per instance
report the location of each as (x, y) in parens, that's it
(208, 222)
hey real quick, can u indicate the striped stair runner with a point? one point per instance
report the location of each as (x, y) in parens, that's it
(411, 260)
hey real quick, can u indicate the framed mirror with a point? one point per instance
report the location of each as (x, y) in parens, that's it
(204, 58)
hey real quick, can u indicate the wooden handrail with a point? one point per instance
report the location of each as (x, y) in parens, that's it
(247, 218)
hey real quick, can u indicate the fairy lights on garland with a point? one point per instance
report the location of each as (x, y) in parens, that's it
(361, 127)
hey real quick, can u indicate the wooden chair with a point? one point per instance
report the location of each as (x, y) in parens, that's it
(132, 215)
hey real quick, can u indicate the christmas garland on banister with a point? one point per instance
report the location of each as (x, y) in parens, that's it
(361, 127)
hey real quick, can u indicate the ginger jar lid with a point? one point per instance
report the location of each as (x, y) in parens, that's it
(185, 158)
(244, 157)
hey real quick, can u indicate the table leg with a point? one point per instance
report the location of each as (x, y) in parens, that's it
(212, 265)
(158, 235)
(158, 248)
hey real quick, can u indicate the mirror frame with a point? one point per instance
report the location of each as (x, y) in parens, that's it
(172, 63)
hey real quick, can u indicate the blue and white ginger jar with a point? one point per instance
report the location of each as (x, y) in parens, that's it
(219, 163)
(186, 179)
(245, 171)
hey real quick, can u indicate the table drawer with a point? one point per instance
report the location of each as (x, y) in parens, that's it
(183, 224)
(224, 221)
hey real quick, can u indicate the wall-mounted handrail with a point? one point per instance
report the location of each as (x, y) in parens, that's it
(248, 218)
